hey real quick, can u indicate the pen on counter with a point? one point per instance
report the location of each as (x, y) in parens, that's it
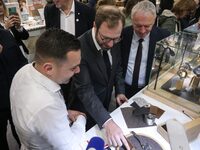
(187, 115)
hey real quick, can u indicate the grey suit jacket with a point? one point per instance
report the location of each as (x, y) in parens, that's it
(92, 85)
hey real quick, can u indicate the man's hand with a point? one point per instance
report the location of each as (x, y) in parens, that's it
(121, 98)
(115, 135)
(73, 115)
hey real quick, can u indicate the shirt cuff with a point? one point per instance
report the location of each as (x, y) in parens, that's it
(20, 29)
(81, 120)
(106, 122)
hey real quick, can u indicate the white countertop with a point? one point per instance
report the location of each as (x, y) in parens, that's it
(169, 113)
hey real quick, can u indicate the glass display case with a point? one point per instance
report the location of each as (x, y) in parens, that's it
(175, 75)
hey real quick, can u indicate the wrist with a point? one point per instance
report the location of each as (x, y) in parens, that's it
(110, 120)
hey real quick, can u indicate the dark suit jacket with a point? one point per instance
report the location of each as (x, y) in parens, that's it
(84, 17)
(92, 85)
(156, 34)
(11, 59)
(19, 36)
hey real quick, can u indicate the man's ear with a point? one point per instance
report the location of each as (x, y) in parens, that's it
(48, 68)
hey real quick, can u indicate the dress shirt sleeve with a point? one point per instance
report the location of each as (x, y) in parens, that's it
(52, 124)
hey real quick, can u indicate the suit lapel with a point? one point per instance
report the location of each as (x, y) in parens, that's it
(98, 57)
(57, 17)
(152, 43)
(101, 66)
(127, 40)
(77, 18)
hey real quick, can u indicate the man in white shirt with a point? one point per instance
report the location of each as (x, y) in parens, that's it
(37, 105)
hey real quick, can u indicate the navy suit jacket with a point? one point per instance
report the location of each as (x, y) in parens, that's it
(11, 60)
(92, 85)
(156, 34)
(84, 17)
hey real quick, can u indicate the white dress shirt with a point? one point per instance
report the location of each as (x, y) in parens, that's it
(67, 21)
(131, 60)
(40, 115)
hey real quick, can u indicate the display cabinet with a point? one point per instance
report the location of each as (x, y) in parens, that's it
(175, 75)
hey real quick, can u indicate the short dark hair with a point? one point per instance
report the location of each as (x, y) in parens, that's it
(109, 14)
(55, 43)
(166, 4)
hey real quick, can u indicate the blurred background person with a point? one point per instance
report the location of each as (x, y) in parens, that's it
(70, 15)
(12, 23)
(105, 2)
(127, 11)
(11, 59)
(166, 18)
(184, 11)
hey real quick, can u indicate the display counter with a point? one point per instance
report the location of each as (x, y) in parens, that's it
(174, 89)
(151, 131)
(175, 77)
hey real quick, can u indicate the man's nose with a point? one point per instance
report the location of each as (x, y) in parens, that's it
(110, 44)
(142, 30)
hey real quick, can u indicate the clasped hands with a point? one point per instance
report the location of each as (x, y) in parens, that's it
(13, 20)
(73, 115)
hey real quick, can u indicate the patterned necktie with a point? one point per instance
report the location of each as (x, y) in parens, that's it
(137, 64)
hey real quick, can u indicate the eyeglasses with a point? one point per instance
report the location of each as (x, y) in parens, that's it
(107, 39)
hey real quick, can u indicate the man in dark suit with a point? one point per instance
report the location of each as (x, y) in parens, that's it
(11, 59)
(69, 15)
(100, 70)
(136, 74)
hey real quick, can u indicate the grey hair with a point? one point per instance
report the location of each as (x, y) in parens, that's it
(144, 6)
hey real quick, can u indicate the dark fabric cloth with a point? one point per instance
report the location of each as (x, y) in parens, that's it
(92, 86)
(137, 64)
(131, 90)
(168, 22)
(92, 3)
(156, 34)
(19, 36)
(5, 115)
(11, 60)
(84, 17)
(107, 63)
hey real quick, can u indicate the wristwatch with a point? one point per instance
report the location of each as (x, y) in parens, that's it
(182, 73)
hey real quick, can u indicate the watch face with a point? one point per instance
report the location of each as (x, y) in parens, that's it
(182, 73)
(197, 71)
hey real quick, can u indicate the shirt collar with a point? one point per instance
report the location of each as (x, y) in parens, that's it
(94, 40)
(71, 11)
(136, 37)
(43, 80)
